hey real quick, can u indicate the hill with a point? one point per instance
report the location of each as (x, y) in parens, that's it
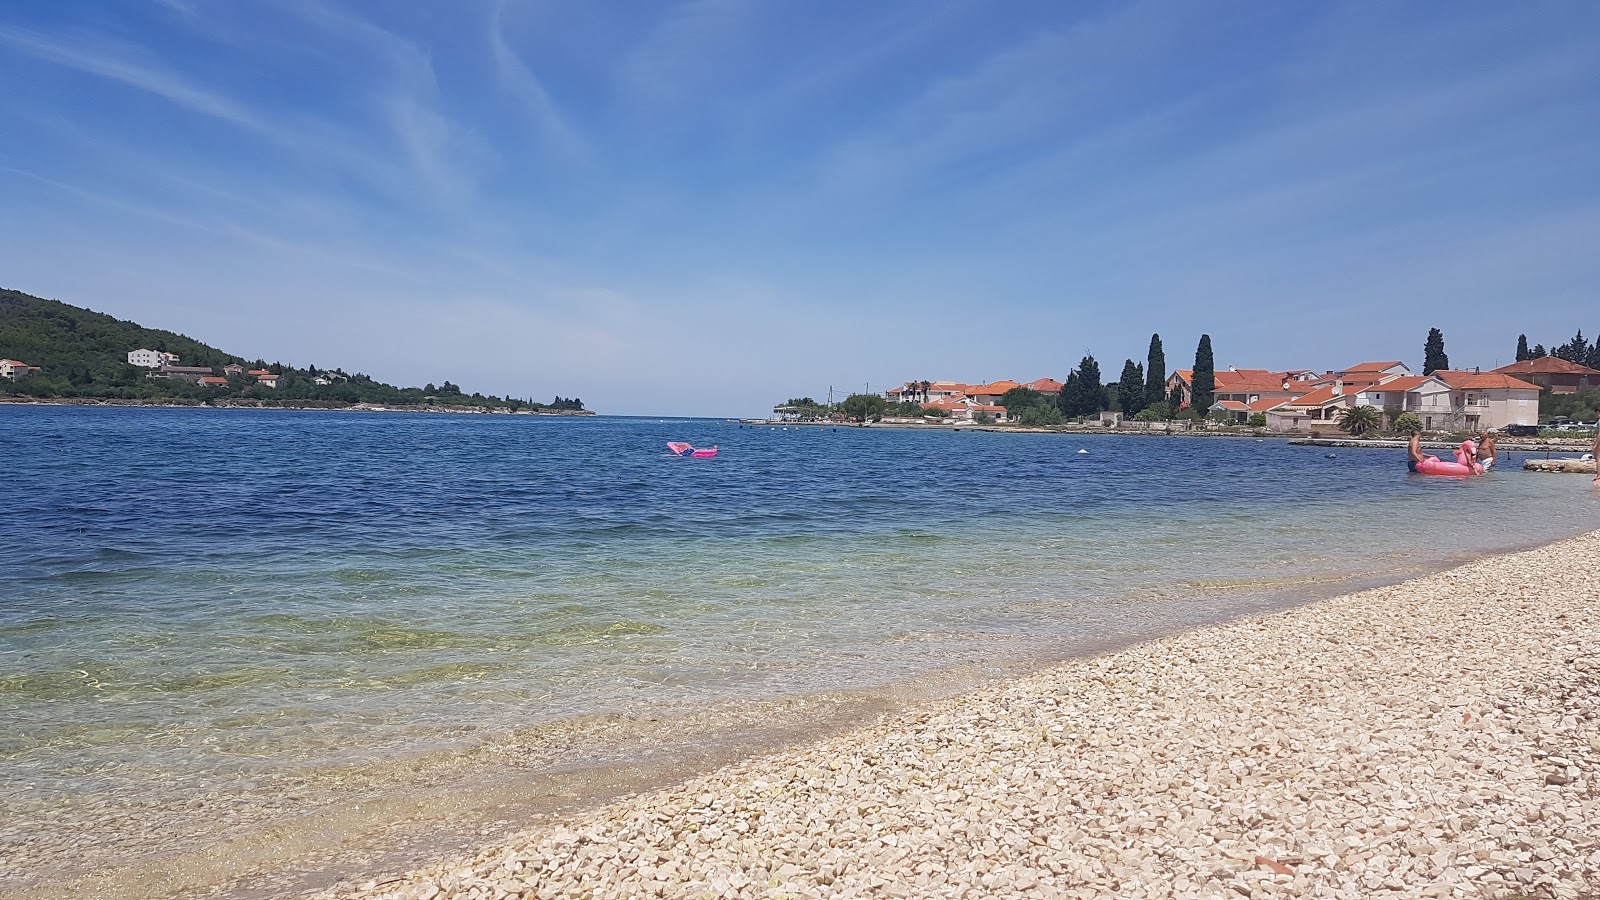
(84, 354)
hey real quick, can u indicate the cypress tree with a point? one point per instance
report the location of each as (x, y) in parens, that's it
(1522, 348)
(1067, 400)
(1433, 355)
(1155, 373)
(1130, 390)
(1205, 377)
(1092, 389)
(1175, 399)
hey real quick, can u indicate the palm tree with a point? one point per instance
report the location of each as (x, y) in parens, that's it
(1358, 420)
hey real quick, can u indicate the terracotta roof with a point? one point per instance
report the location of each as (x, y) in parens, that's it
(1045, 384)
(1374, 366)
(212, 379)
(1231, 405)
(1546, 365)
(1482, 381)
(995, 387)
(12, 362)
(1319, 397)
(1403, 383)
(1266, 403)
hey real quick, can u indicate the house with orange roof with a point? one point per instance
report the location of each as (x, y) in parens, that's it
(16, 369)
(1392, 367)
(966, 409)
(1491, 399)
(1554, 374)
(990, 393)
(267, 379)
(213, 381)
(1046, 386)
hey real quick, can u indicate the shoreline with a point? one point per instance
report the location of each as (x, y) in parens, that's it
(1437, 737)
(312, 405)
(420, 820)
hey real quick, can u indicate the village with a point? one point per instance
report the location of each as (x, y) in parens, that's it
(1306, 402)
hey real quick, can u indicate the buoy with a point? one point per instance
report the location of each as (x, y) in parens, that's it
(1083, 451)
(1332, 456)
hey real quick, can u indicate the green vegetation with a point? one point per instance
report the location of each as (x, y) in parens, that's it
(1083, 394)
(1579, 406)
(1258, 420)
(1407, 424)
(1130, 390)
(1522, 348)
(1205, 377)
(1358, 420)
(861, 407)
(83, 354)
(1433, 355)
(1155, 374)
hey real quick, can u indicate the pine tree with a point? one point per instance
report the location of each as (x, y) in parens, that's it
(1067, 400)
(1575, 350)
(1130, 390)
(1155, 373)
(1433, 355)
(1522, 348)
(1083, 394)
(1205, 377)
(1538, 352)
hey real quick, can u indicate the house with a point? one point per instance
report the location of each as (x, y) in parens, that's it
(1046, 386)
(151, 359)
(1391, 367)
(1491, 399)
(191, 374)
(1425, 396)
(232, 369)
(966, 409)
(267, 379)
(15, 369)
(213, 381)
(989, 394)
(1557, 375)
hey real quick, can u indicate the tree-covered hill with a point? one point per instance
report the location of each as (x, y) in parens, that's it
(84, 354)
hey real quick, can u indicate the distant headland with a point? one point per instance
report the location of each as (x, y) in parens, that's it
(53, 352)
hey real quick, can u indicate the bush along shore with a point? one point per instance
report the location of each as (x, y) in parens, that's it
(1436, 738)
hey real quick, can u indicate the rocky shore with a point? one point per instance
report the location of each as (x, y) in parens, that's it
(1436, 738)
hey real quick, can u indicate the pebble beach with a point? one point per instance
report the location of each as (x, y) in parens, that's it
(1435, 738)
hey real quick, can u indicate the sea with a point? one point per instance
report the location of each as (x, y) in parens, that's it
(227, 625)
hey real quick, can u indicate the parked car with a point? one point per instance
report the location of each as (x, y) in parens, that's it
(1520, 430)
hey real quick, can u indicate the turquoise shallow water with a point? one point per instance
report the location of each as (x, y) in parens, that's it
(195, 597)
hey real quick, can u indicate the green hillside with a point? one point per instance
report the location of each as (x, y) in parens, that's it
(83, 354)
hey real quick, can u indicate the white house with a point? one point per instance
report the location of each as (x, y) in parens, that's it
(151, 359)
(14, 369)
(1491, 399)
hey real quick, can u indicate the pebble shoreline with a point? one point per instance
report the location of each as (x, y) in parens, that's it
(1435, 738)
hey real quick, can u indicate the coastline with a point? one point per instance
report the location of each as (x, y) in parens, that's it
(1438, 736)
(314, 405)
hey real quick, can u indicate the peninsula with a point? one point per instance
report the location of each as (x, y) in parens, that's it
(53, 352)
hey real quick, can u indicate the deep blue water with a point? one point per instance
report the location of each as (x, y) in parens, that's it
(192, 594)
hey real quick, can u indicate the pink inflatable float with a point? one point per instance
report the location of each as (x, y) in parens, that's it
(1466, 463)
(679, 448)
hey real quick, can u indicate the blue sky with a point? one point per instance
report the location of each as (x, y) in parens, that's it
(709, 207)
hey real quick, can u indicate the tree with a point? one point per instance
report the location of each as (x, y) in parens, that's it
(1155, 412)
(1407, 424)
(1130, 390)
(1358, 420)
(1019, 398)
(1522, 348)
(1575, 350)
(1041, 414)
(1083, 394)
(861, 407)
(1258, 420)
(1205, 377)
(1175, 400)
(1155, 373)
(1538, 352)
(1433, 355)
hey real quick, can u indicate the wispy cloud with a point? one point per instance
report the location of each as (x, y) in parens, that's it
(522, 83)
(119, 64)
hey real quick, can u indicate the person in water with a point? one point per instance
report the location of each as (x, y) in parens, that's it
(1594, 452)
(1414, 452)
(1486, 451)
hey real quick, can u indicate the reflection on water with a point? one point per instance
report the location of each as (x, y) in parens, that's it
(206, 606)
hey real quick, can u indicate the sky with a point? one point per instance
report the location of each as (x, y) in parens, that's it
(710, 207)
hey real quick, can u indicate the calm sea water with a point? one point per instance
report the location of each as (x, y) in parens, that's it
(193, 597)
